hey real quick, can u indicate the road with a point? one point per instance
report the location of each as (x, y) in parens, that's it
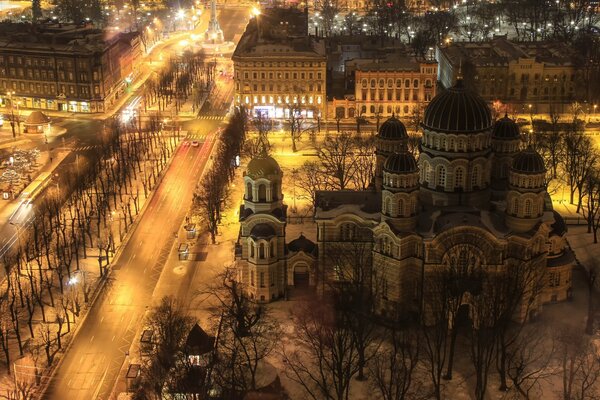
(91, 365)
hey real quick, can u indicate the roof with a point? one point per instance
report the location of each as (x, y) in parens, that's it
(457, 110)
(559, 227)
(262, 167)
(363, 202)
(302, 244)
(198, 341)
(262, 231)
(392, 129)
(506, 129)
(528, 161)
(37, 118)
(400, 163)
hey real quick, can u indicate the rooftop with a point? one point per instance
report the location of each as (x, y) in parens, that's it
(501, 51)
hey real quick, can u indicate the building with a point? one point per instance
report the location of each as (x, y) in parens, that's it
(267, 265)
(278, 68)
(514, 75)
(474, 202)
(382, 87)
(63, 67)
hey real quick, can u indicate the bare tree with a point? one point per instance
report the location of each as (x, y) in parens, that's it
(364, 157)
(336, 157)
(311, 180)
(393, 368)
(579, 366)
(208, 199)
(323, 359)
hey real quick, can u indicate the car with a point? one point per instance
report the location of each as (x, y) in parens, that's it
(185, 143)
(195, 143)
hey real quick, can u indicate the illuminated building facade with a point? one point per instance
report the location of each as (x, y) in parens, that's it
(63, 67)
(279, 68)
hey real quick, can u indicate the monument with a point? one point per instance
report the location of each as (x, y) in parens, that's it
(214, 41)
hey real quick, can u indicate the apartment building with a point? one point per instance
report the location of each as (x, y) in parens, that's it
(64, 67)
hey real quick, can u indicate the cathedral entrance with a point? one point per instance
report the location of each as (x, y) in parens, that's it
(463, 317)
(301, 279)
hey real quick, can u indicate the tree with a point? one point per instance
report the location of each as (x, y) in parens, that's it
(336, 158)
(327, 11)
(579, 366)
(323, 358)
(69, 10)
(364, 162)
(248, 335)
(393, 368)
(311, 181)
(580, 157)
(171, 325)
(208, 199)
(36, 10)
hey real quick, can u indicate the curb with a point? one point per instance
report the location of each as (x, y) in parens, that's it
(99, 288)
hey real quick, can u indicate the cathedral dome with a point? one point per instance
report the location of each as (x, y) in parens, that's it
(457, 110)
(392, 129)
(506, 129)
(528, 161)
(400, 163)
(262, 166)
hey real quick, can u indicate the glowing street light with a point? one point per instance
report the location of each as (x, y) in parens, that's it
(255, 11)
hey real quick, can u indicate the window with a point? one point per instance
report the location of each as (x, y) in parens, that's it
(261, 251)
(262, 279)
(400, 207)
(458, 177)
(515, 206)
(527, 212)
(251, 249)
(262, 193)
(387, 206)
(475, 177)
(416, 83)
(347, 231)
(441, 176)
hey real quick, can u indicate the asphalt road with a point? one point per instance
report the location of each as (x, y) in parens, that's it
(91, 365)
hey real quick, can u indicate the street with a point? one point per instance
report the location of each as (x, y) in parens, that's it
(91, 365)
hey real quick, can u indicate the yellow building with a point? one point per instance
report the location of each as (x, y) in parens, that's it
(279, 68)
(394, 85)
(515, 75)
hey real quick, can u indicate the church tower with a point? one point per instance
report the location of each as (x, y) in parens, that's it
(391, 138)
(526, 191)
(506, 141)
(400, 194)
(260, 251)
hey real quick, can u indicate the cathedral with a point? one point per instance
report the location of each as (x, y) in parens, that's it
(475, 196)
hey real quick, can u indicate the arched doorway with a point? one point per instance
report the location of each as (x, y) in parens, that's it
(301, 277)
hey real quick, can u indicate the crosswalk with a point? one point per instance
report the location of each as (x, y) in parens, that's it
(212, 117)
(196, 136)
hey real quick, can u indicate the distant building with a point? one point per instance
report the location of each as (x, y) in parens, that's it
(65, 67)
(382, 87)
(279, 67)
(514, 75)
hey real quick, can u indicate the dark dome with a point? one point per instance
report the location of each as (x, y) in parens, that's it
(262, 231)
(457, 110)
(301, 244)
(528, 161)
(262, 166)
(506, 129)
(400, 163)
(392, 129)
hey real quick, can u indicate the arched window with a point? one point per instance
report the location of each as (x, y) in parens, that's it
(271, 249)
(251, 249)
(515, 206)
(407, 83)
(527, 212)
(262, 193)
(459, 175)
(261, 251)
(249, 191)
(475, 177)
(387, 206)
(400, 207)
(451, 144)
(441, 176)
